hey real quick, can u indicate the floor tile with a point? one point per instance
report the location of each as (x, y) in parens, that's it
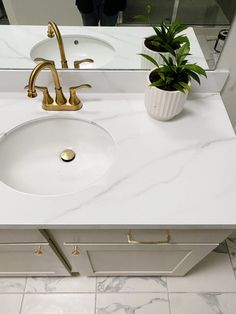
(131, 284)
(12, 285)
(129, 303)
(58, 304)
(213, 274)
(60, 284)
(10, 303)
(204, 303)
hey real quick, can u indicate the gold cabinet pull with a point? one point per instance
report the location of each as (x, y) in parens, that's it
(38, 251)
(75, 251)
(131, 240)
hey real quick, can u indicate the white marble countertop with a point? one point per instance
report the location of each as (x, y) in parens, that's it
(16, 42)
(180, 173)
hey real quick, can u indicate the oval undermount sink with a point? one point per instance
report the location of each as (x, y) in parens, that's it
(77, 47)
(31, 155)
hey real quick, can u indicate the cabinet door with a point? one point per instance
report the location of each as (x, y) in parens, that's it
(119, 259)
(30, 259)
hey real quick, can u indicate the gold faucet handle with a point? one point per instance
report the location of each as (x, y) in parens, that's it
(77, 63)
(47, 99)
(44, 60)
(74, 99)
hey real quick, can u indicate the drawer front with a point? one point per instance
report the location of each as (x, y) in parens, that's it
(120, 236)
(14, 236)
(31, 259)
(135, 259)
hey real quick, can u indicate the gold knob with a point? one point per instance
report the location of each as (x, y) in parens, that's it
(75, 251)
(38, 251)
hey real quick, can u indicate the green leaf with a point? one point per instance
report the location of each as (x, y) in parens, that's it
(142, 18)
(196, 68)
(149, 58)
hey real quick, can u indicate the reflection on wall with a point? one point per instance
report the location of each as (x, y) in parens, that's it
(3, 16)
(39, 12)
(192, 12)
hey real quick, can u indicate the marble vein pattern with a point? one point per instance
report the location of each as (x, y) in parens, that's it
(15, 55)
(204, 303)
(77, 284)
(58, 304)
(132, 303)
(12, 285)
(213, 274)
(131, 284)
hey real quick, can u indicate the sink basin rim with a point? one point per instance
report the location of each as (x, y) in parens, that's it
(4, 136)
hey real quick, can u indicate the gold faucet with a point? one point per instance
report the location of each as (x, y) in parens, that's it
(60, 103)
(52, 31)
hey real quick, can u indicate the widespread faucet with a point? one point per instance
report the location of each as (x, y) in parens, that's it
(48, 103)
(52, 31)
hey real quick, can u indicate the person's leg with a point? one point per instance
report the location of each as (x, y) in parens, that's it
(107, 20)
(90, 19)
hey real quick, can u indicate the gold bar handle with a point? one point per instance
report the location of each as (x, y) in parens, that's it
(131, 240)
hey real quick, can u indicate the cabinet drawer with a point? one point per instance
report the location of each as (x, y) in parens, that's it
(135, 260)
(30, 259)
(120, 236)
(11, 236)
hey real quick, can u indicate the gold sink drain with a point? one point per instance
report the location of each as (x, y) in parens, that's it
(68, 155)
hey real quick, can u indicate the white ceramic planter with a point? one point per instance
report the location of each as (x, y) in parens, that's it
(145, 64)
(163, 105)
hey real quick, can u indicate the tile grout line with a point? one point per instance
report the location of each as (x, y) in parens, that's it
(23, 296)
(95, 305)
(168, 295)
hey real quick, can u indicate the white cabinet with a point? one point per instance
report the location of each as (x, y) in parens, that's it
(22, 255)
(136, 252)
(93, 259)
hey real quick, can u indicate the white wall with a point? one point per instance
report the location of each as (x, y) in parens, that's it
(228, 61)
(39, 12)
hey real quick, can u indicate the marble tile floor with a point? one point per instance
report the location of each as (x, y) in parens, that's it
(210, 288)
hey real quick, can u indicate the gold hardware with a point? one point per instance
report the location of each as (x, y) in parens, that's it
(38, 251)
(77, 63)
(60, 103)
(52, 31)
(47, 99)
(131, 240)
(68, 155)
(75, 251)
(74, 99)
(43, 60)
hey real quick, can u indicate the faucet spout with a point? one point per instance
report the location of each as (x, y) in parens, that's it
(60, 98)
(52, 31)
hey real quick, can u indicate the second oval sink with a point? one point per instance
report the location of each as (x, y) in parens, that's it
(77, 47)
(31, 155)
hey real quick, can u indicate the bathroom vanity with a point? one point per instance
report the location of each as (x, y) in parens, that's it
(165, 202)
(109, 47)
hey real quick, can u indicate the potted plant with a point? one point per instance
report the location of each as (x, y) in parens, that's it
(169, 83)
(167, 39)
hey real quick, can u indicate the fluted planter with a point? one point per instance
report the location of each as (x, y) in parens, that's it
(146, 64)
(162, 104)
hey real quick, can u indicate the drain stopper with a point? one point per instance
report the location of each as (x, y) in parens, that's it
(68, 155)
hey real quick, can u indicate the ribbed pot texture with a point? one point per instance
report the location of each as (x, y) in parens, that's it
(145, 64)
(163, 105)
